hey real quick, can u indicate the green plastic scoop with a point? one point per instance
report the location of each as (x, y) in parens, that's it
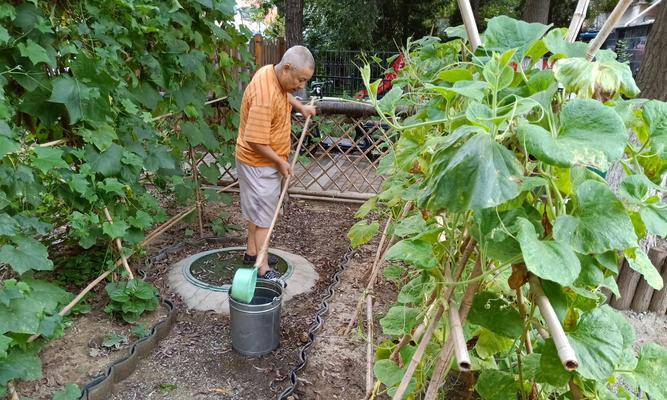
(245, 279)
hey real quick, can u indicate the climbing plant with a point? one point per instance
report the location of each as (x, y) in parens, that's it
(83, 84)
(504, 220)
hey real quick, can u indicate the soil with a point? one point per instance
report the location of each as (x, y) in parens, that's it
(196, 361)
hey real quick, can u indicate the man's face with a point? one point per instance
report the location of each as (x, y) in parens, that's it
(295, 79)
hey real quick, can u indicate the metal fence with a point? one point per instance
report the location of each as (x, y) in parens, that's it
(339, 69)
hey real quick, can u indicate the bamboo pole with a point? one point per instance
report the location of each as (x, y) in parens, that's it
(119, 246)
(379, 259)
(419, 354)
(369, 349)
(565, 351)
(167, 115)
(641, 14)
(608, 26)
(447, 350)
(417, 332)
(577, 20)
(460, 348)
(470, 24)
(524, 314)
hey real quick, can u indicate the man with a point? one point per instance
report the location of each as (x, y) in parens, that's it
(264, 142)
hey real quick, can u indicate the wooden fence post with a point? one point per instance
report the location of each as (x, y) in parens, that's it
(642, 298)
(659, 299)
(259, 50)
(628, 279)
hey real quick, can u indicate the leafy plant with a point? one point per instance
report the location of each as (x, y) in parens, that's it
(70, 392)
(114, 340)
(83, 88)
(140, 331)
(496, 182)
(131, 298)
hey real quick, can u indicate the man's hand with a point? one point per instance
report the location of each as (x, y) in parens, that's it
(308, 111)
(285, 168)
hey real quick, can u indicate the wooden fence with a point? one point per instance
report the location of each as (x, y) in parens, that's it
(636, 294)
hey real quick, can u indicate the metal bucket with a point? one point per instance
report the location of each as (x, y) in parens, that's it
(256, 325)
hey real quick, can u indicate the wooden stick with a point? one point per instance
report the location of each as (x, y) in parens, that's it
(641, 14)
(565, 351)
(12, 391)
(265, 246)
(419, 354)
(524, 314)
(198, 196)
(379, 253)
(577, 20)
(608, 26)
(375, 270)
(369, 349)
(470, 24)
(447, 350)
(119, 246)
(52, 143)
(417, 332)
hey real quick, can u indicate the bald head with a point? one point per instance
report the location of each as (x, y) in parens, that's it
(298, 57)
(295, 69)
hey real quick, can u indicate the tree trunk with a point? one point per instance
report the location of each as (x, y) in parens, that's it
(536, 11)
(294, 23)
(652, 78)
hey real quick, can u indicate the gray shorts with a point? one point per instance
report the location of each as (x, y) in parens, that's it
(260, 191)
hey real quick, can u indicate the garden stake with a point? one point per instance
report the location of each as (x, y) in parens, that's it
(470, 24)
(565, 351)
(419, 354)
(608, 26)
(577, 20)
(447, 351)
(369, 349)
(524, 314)
(379, 259)
(119, 245)
(416, 334)
(263, 251)
(198, 197)
(460, 349)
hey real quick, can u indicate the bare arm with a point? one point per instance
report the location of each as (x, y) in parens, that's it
(267, 152)
(304, 109)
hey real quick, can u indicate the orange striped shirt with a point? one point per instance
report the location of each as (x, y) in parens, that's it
(265, 119)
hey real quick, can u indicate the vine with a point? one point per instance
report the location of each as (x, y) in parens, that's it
(83, 88)
(505, 171)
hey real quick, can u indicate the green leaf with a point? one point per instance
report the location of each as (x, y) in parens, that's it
(598, 344)
(414, 291)
(559, 47)
(200, 134)
(399, 320)
(20, 364)
(410, 226)
(36, 53)
(112, 185)
(8, 146)
(8, 225)
(393, 272)
(496, 314)
(107, 163)
(479, 174)
(67, 91)
(415, 252)
(389, 101)
(102, 137)
(497, 385)
(497, 73)
(28, 255)
(362, 232)
(598, 224)
(141, 220)
(651, 370)
(551, 368)
(366, 208)
(4, 35)
(547, 259)
(70, 392)
(49, 325)
(639, 261)
(210, 172)
(48, 158)
(488, 344)
(391, 374)
(504, 33)
(604, 78)
(115, 230)
(655, 219)
(654, 113)
(455, 75)
(4, 345)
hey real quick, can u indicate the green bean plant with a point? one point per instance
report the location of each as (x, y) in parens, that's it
(504, 221)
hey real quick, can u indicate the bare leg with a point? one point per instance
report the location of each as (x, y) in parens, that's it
(260, 237)
(251, 249)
